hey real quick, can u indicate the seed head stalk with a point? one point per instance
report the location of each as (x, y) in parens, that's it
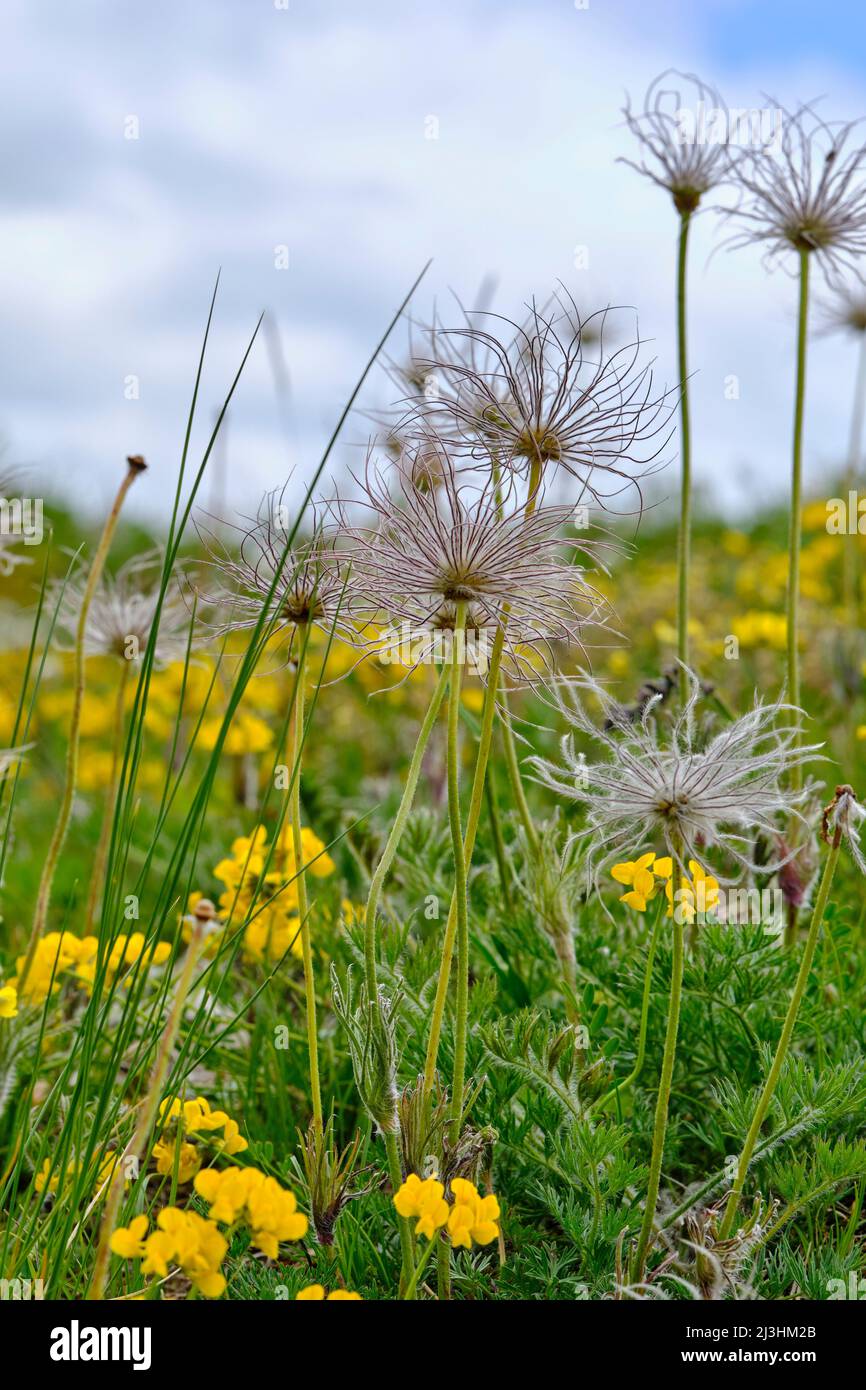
(135, 465)
(795, 524)
(476, 797)
(562, 938)
(602, 1103)
(472, 819)
(396, 833)
(395, 1171)
(297, 740)
(407, 1251)
(462, 916)
(684, 541)
(512, 764)
(664, 1095)
(784, 1039)
(453, 760)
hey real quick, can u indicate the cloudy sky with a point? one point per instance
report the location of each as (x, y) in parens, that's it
(305, 124)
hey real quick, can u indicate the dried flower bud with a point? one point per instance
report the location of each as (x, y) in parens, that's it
(841, 820)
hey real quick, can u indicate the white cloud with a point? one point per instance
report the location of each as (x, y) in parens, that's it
(261, 127)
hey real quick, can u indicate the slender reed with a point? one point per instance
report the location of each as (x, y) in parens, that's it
(134, 1151)
(99, 858)
(135, 466)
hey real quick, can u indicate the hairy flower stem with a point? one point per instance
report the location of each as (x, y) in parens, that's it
(462, 1018)
(795, 522)
(407, 1254)
(297, 739)
(396, 834)
(484, 741)
(43, 897)
(137, 1146)
(101, 854)
(512, 764)
(614, 1093)
(784, 1039)
(516, 782)
(662, 1100)
(684, 541)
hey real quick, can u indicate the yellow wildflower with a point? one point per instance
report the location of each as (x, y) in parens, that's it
(128, 1241)
(699, 893)
(55, 954)
(247, 734)
(424, 1200)
(314, 1293)
(195, 1244)
(8, 1001)
(638, 876)
(270, 1211)
(41, 1180)
(473, 1219)
(188, 1163)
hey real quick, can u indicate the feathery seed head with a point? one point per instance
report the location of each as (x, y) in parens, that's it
(547, 393)
(806, 193)
(692, 792)
(674, 154)
(123, 611)
(467, 542)
(307, 583)
(846, 311)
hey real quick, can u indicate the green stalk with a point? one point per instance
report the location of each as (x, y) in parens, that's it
(461, 906)
(459, 1075)
(484, 741)
(301, 882)
(516, 783)
(512, 764)
(602, 1102)
(498, 839)
(43, 897)
(784, 1040)
(396, 834)
(395, 1173)
(663, 1098)
(419, 1269)
(685, 538)
(795, 523)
